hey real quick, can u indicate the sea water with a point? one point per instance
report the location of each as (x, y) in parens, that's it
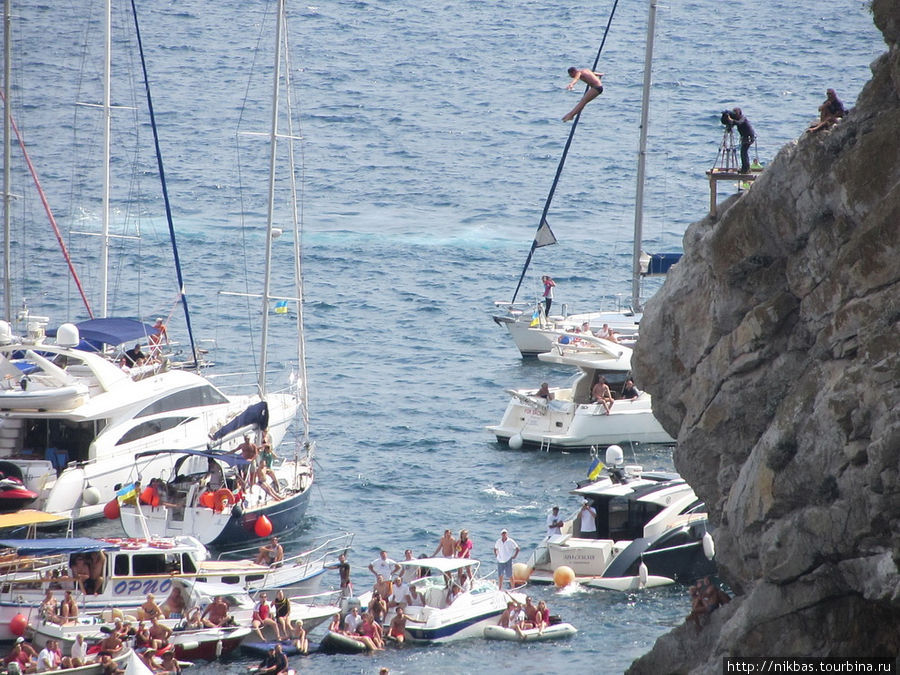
(431, 134)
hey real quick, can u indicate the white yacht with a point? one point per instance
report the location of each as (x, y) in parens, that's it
(570, 421)
(72, 421)
(650, 529)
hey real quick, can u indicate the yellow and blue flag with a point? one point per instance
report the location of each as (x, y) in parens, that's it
(535, 318)
(281, 307)
(596, 468)
(127, 493)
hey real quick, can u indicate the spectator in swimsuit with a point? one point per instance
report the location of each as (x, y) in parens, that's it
(216, 614)
(595, 88)
(601, 394)
(831, 110)
(282, 611)
(544, 392)
(397, 630)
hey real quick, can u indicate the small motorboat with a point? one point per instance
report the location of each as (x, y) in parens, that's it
(207, 643)
(13, 494)
(553, 632)
(338, 643)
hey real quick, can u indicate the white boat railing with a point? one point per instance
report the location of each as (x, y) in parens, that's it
(322, 556)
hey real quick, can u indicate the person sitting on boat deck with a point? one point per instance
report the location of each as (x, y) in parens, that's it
(142, 637)
(282, 607)
(507, 616)
(454, 590)
(384, 566)
(371, 628)
(298, 636)
(595, 88)
(629, 391)
(378, 607)
(68, 611)
(134, 357)
(78, 653)
(505, 551)
(215, 614)
(344, 574)
(47, 658)
(383, 587)
(194, 619)
(352, 620)
(607, 333)
(831, 110)
(530, 613)
(173, 607)
(416, 599)
(149, 609)
(267, 458)
(588, 518)
(169, 664)
(112, 644)
(519, 621)
(397, 630)
(22, 655)
(446, 546)
(80, 571)
(274, 663)
(400, 594)
(262, 617)
(271, 554)
(554, 522)
(542, 616)
(250, 452)
(215, 477)
(49, 608)
(159, 633)
(367, 641)
(335, 625)
(108, 666)
(94, 584)
(544, 392)
(601, 394)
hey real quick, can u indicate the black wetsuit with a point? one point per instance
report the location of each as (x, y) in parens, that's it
(748, 136)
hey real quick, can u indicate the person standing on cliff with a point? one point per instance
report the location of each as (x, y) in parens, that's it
(748, 137)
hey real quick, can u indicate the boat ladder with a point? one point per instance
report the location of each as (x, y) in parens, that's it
(545, 444)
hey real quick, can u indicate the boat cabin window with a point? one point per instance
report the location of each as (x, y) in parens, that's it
(57, 440)
(149, 563)
(157, 426)
(623, 518)
(187, 564)
(188, 398)
(120, 566)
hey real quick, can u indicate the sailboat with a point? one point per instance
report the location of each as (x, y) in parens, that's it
(217, 496)
(73, 419)
(530, 328)
(572, 419)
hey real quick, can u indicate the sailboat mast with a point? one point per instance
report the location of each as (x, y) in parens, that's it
(642, 158)
(273, 146)
(104, 249)
(7, 144)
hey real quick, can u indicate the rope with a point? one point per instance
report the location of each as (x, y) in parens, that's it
(562, 159)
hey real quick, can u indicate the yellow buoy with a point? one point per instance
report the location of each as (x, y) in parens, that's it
(563, 576)
(520, 574)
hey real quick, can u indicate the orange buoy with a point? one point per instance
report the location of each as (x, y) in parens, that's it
(111, 510)
(18, 624)
(520, 574)
(563, 576)
(262, 527)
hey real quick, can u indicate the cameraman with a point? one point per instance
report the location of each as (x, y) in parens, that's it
(748, 136)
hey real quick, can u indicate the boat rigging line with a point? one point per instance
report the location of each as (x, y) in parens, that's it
(165, 191)
(544, 235)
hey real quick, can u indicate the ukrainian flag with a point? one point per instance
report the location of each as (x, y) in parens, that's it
(281, 307)
(596, 468)
(127, 493)
(535, 318)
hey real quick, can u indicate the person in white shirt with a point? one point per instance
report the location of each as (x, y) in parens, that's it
(588, 515)
(384, 566)
(408, 572)
(352, 620)
(79, 651)
(505, 550)
(554, 522)
(400, 595)
(47, 658)
(416, 599)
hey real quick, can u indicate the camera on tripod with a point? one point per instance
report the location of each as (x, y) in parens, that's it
(727, 119)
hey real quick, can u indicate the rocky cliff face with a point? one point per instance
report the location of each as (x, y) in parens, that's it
(773, 351)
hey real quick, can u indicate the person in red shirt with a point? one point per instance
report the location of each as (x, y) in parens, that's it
(262, 616)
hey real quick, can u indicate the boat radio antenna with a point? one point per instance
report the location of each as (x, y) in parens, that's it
(544, 235)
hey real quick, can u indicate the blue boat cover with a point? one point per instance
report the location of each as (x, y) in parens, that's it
(229, 458)
(257, 414)
(95, 333)
(57, 545)
(660, 263)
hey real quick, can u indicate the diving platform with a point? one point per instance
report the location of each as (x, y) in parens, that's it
(727, 174)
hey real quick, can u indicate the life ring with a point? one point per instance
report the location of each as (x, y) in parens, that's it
(162, 544)
(222, 498)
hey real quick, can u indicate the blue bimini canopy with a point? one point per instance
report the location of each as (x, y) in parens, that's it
(257, 414)
(113, 331)
(57, 545)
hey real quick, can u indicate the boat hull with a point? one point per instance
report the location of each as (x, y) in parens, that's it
(207, 644)
(557, 631)
(534, 340)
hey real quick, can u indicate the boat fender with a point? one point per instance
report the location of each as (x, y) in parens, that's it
(190, 646)
(91, 496)
(709, 546)
(223, 498)
(515, 442)
(643, 574)
(218, 649)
